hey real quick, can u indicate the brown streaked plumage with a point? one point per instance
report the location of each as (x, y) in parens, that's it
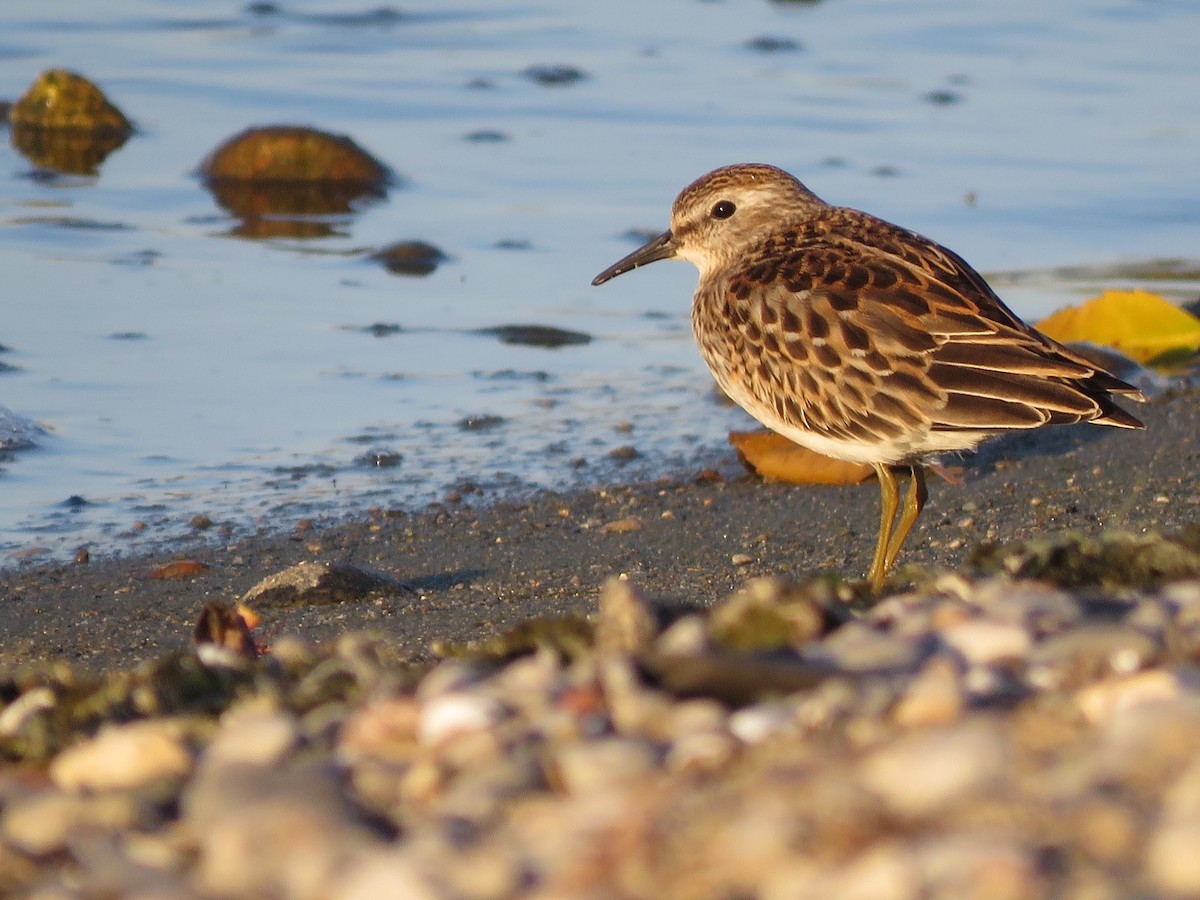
(860, 339)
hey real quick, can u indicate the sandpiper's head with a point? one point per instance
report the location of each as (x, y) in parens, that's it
(720, 215)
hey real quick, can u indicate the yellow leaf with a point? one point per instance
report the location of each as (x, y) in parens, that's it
(1140, 324)
(774, 456)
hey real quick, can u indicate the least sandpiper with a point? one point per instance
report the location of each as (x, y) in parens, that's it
(860, 339)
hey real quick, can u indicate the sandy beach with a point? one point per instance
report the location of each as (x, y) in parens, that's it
(473, 571)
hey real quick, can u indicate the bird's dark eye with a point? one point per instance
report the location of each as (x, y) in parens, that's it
(723, 210)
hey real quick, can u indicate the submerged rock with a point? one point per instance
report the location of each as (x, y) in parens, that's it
(65, 123)
(61, 99)
(18, 432)
(772, 43)
(293, 153)
(554, 75)
(270, 176)
(537, 335)
(409, 258)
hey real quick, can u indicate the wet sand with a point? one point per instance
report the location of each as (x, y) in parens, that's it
(691, 537)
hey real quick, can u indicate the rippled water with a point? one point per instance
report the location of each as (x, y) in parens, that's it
(180, 368)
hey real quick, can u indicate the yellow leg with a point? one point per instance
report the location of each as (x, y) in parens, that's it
(892, 530)
(914, 502)
(889, 499)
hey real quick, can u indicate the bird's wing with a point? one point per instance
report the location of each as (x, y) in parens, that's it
(870, 334)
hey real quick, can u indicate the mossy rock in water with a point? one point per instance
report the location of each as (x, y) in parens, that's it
(66, 150)
(64, 123)
(276, 179)
(61, 99)
(1114, 559)
(288, 153)
(296, 210)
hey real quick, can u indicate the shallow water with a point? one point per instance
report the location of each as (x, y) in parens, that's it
(179, 368)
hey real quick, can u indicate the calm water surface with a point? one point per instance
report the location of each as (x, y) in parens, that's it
(180, 368)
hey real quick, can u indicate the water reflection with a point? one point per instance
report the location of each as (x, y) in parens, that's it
(290, 209)
(69, 151)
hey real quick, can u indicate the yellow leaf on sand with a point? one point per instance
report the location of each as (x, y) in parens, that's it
(1138, 323)
(774, 456)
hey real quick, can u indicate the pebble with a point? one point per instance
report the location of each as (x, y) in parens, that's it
(1087, 653)
(17, 714)
(1040, 607)
(881, 873)
(1184, 595)
(626, 622)
(991, 864)
(316, 583)
(272, 832)
(1107, 699)
(123, 757)
(703, 751)
(48, 821)
(983, 643)
(1172, 863)
(922, 773)
(698, 716)
(603, 765)
(686, 636)
(253, 737)
(1181, 801)
(936, 696)
(1147, 744)
(632, 707)
(385, 728)
(450, 676)
(384, 873)
(967, 738)
(860, 647)
(753, 724)
(451, 715)
(622, 526)
(769, 612)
